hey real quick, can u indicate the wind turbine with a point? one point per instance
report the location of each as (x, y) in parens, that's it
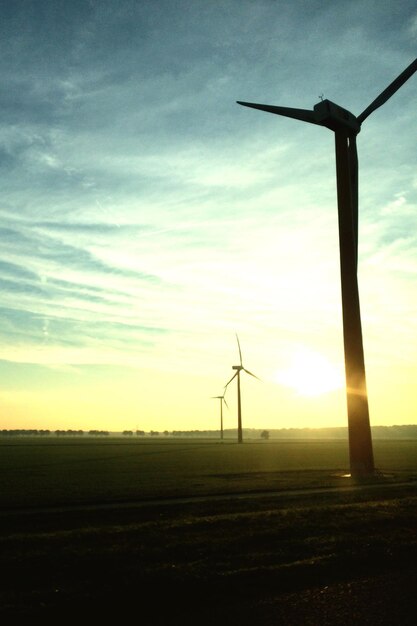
(238, 369)
(222, 399)
(346, 126)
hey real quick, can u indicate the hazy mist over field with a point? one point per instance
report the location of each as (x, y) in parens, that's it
(146, 218)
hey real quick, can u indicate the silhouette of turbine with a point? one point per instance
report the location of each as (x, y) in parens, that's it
(238, 369)
(222, 399)
(345, 127)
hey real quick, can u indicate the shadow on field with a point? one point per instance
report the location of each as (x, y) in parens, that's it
(324, 560)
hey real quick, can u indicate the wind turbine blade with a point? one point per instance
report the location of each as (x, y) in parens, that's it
(234, 376)
(240, 351)
(298, 114)
(353, 172)
(389, 91)
(224, 400)
(250, 373)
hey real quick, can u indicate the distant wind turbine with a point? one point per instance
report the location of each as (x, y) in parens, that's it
(238, 369)
(222, 399)
(345, 127)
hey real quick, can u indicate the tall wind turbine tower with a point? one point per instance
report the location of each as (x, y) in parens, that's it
(346, 126)
(239, 368)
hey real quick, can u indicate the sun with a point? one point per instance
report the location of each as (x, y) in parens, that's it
(310, 373)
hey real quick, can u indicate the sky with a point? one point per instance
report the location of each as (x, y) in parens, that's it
(146, 218)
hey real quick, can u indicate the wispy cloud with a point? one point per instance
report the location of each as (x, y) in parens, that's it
(146, 217)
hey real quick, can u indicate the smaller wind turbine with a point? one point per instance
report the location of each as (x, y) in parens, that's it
(238, 369)
(222, 399)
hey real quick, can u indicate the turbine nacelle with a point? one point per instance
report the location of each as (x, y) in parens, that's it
(237, 367)
(325, 113)
(333, 116)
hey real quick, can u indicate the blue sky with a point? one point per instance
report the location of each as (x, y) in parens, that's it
(146, 218)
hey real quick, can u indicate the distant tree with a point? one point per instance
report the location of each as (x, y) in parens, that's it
(140, 433)
(166, 433)
(154, 433)
(265, 434)
(128, 433)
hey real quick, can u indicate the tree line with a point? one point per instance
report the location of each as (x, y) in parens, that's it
(407, 431)
(58, 433)
(30, 432)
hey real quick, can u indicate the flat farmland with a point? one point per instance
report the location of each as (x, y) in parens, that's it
(208, 533)
(58, 471)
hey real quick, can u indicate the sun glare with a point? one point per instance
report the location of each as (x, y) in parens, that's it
(310, 373)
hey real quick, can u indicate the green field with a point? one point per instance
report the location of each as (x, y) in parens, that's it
(286, 551)
(57, 471)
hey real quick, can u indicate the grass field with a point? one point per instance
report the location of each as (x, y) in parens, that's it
(319, 557)
(37, 472)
